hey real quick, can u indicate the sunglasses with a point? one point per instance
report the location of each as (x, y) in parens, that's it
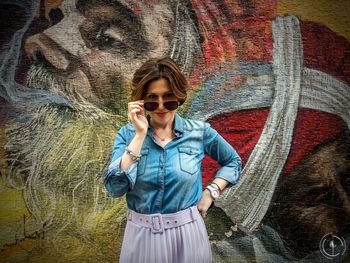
(153, 105)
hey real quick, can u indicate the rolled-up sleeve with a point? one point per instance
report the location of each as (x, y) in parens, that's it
(221, 151)
(117, 181)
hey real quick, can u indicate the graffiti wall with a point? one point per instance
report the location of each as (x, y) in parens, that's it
(272, 77)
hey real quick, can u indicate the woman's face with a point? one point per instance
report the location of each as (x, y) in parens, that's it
(160, 91)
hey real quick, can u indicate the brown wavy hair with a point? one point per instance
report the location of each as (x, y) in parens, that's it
(158, 68)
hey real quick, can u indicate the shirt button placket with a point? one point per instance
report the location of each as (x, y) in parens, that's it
(162, 176)
(161, 180)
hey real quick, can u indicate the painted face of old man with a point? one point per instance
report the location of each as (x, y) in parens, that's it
(90, 55)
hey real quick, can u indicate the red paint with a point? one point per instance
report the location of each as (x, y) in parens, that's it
(137, 9)
(231, 35)
(325, 50)
(312, 128)
(243, 129)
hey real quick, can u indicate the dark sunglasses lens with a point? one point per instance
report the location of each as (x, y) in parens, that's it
(150, 105)
(171, 105)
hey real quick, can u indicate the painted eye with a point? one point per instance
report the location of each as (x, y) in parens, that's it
(104, 38)
(107, 40)
(118, 36)
(111, 37)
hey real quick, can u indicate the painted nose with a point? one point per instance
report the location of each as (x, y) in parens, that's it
(60, 44)
(41, 49)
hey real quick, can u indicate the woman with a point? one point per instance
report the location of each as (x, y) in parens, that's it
(156, 161)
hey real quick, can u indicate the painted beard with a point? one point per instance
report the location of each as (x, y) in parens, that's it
(69, 92)
(57, 155)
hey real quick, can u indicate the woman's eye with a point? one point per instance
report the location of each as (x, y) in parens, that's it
(151, 96)
(169, 95)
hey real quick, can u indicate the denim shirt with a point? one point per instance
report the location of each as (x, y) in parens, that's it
(169, 179)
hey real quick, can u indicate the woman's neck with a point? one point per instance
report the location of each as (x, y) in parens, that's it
(162, 126)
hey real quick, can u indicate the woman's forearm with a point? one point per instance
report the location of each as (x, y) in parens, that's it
(135, 147)
(222, 183)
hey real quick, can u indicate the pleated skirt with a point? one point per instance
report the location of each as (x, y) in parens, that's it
(186, 243)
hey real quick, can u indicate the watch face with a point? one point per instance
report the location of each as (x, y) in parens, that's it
(215, 194)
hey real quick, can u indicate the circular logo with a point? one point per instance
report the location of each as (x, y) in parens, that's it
(332, 246)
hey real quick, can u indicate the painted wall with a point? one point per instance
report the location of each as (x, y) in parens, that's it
(271, 76)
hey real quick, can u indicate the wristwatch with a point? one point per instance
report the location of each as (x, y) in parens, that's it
(214, 190)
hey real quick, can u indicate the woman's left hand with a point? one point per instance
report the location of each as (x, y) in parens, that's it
(205, 202)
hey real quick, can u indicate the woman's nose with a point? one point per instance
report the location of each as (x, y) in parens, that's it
(161, 105)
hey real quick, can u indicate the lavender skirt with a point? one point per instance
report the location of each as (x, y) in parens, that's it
(179, 237)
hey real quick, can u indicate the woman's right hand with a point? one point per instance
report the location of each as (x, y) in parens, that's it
(136, 114)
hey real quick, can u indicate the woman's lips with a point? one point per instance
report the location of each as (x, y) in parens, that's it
(161, 113)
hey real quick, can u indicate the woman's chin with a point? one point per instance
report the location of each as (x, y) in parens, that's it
(162, 117)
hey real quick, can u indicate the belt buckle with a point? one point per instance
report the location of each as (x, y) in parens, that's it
(157, 224)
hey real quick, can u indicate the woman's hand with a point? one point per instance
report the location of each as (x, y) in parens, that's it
(137, 116)
(205, 202)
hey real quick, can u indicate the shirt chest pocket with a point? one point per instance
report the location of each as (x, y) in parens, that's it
(141, 166)
(189, 160)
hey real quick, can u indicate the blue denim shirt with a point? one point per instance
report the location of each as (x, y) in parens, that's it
(169, 179)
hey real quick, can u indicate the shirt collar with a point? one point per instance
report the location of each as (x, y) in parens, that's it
(179, 123)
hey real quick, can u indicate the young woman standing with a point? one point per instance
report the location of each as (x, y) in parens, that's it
(156, 162)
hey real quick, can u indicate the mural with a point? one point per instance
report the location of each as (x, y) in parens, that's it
(271, 76)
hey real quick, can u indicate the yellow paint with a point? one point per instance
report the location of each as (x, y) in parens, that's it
(11, 201)
(333, 14)
(12, 210)
(12, 205)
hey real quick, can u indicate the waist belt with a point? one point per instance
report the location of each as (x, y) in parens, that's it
(159, 222)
